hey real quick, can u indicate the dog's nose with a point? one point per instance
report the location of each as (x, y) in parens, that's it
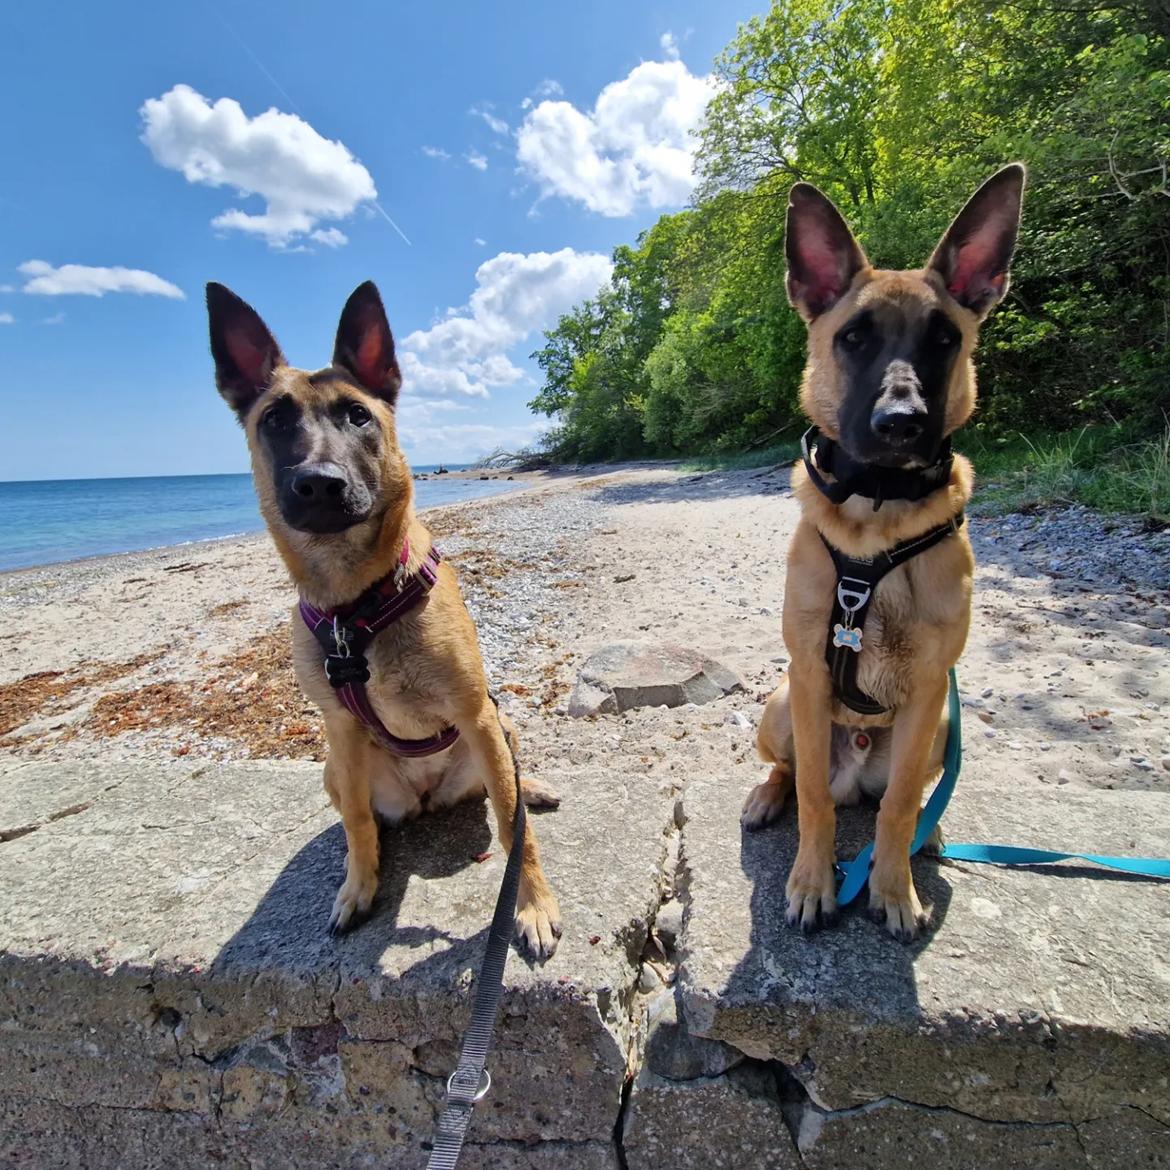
(320, 482)
(897, 427)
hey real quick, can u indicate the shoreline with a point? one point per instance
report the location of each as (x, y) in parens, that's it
(183, 651)
(98, 560)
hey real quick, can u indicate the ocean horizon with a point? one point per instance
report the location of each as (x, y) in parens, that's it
(46, 521)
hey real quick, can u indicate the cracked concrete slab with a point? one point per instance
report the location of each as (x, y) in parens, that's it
(164, 954)
(898, 1133)
(1043, 996)
(733, 1120)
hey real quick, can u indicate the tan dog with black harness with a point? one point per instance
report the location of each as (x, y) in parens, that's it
(889, 379)
(382, 641)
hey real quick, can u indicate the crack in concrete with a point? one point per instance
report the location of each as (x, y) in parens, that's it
(667, 878)
(24, 830)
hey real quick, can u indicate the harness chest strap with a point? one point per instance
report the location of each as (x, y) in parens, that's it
(857, 579)
(346, 632)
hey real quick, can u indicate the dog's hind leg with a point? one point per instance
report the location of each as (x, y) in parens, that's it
(914, 750)
(774, 743)
(538, 917)
(347, 780)
(536, 793)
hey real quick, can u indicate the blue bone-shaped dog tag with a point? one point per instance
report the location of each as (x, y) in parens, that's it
(844, 636)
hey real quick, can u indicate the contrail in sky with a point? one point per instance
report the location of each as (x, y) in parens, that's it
(288, 98)
(391, 222)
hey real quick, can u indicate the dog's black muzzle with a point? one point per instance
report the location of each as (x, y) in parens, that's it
(320, 498)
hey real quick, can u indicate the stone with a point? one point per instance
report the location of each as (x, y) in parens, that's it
(732, 1121)
(673, 1053)
(625, 675)
(1041, 996)
(180, 982)
(668, 923)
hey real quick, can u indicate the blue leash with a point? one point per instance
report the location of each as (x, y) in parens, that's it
(855, 874)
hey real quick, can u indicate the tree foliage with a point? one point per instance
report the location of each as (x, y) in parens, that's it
(897, 109)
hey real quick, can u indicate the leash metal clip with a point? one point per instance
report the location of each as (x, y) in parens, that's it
(485, 1084)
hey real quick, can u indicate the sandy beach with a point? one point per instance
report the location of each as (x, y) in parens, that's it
(181, 653)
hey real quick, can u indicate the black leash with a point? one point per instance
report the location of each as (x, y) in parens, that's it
(470, 1081)
(857, 579)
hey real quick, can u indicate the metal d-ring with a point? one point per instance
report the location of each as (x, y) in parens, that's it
(340, 638)
(485, 1083)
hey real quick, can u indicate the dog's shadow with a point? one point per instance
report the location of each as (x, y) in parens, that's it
(851, 965)
(288, 928)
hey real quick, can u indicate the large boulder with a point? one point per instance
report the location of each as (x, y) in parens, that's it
(624, 675)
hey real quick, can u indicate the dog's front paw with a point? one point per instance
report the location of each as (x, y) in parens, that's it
(894, 901)
(764, 804)
(353, 901)
(812, 892)
(538, 924)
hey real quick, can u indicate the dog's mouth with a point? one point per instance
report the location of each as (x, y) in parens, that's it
(324, 523)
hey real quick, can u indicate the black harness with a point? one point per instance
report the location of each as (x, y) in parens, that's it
(858, 578)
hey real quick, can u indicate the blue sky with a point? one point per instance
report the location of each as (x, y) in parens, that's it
(151, 148)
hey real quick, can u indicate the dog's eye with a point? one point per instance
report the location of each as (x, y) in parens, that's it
(853, 338)
(275, 418)
(358, 415)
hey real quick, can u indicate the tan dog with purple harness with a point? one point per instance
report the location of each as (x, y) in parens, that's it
(877, 599)
(382, 641)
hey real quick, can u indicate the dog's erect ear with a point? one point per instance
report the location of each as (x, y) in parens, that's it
(823, 257)
(974, 254)
(245, 352)
(365, 346)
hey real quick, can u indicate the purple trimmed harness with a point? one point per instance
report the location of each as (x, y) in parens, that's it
(346, 632)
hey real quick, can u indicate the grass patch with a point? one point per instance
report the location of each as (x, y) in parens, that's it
(744, 460)
(1111, 469)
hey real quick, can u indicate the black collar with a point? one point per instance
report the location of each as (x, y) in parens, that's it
(868, 479)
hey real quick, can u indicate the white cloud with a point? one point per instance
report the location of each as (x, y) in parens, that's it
(302, 177)
(516, 294)
(497, 125)
(477, 160)
(7, 319)
(466, 442)
(55, 319)
(634, 148)
(81, 279)
(479, 241)
(330, 237)
(6, 288)
(547, 88)
(435, 152)
(669, 45)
